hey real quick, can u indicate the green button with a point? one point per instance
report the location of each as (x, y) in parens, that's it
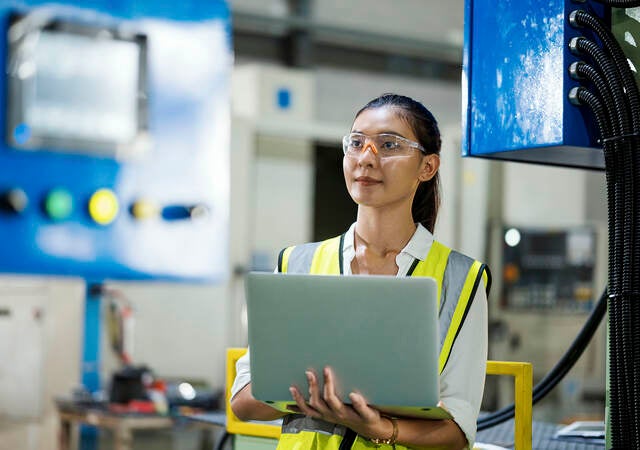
(58, 204)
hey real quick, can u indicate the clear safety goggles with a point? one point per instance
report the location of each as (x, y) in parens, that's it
(384, 145)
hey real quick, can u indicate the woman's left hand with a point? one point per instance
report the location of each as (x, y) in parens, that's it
(326, 405)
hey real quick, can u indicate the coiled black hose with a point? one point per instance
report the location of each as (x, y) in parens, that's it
(580, 70)
(579, 19)
(622, 160)
(581, 96)
(620, 3)
(619, 251)
(581, 46)
(561, 368)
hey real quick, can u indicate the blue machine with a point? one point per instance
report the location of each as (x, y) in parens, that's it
(114, 149)
(516, 85)
(115, 144)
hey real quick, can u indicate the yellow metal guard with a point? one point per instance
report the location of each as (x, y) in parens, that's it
(523, 381)
(235, 425)
(523, 386)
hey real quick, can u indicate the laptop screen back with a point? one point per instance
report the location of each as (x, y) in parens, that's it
(379, 334)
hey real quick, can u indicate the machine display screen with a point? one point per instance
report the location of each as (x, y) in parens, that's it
(77, 92)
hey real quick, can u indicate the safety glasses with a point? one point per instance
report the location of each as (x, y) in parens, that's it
(384, 145)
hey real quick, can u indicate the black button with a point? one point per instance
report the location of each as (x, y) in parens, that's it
(14, 200)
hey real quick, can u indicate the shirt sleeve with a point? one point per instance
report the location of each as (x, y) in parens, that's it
(243, 374)
(462, 380)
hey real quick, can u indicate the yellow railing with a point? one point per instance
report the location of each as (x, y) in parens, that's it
(523, 386)
(523, 383)
(235, 425)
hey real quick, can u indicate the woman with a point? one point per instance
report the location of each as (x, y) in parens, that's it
(391, 161)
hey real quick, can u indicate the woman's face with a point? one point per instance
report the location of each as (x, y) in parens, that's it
(379, 182)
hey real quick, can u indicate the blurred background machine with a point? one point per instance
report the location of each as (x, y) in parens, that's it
(114, 157)
(549, 284)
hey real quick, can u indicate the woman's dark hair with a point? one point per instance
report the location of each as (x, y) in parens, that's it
(427, 199)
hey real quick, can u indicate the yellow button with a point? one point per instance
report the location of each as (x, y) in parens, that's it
(143, 209)
(103, 206)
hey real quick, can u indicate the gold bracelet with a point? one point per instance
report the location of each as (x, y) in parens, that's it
(394, 435)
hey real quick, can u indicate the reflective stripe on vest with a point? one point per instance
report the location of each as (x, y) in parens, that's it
(317, 258)
(457, 277)
(449, 268)
(301, 432)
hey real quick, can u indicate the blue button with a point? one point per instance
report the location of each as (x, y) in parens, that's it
(22, 133)
(284, 98)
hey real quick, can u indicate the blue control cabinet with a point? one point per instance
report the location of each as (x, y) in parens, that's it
(114, 148)
(515, 85)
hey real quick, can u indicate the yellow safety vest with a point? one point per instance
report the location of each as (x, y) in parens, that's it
(457, 277)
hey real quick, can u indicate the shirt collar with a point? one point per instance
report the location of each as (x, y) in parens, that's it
(418, 246)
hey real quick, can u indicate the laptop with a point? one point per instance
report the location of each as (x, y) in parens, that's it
(379, 334)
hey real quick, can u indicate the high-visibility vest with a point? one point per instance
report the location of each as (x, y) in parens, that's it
(457, 277)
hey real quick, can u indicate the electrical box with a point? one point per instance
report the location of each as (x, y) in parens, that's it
(516, 83)
(549, 269)
(269, 93)
(115, 139)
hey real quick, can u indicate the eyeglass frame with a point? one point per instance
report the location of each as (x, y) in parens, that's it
(406, 141)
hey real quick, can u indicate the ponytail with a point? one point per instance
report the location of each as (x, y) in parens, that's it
(426, 203)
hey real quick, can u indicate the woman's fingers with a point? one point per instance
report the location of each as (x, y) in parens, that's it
(361, 407)
(302, 405)
(324, 403)
(315, 396)
(329, 393)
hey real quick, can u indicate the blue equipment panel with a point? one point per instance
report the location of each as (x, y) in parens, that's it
(114, 154)
(515, 85)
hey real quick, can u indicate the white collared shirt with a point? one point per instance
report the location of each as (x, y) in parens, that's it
(417, 248)
(462, 380)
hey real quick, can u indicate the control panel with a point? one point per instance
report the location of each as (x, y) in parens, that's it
(546, 269)
(115, 145)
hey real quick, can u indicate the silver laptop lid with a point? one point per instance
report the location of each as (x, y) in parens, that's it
(379, 334)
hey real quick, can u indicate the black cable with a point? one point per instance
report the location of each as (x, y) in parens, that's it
(621, 387)
(620, 3)
(559, 370)
(223, 440)
(622, 163)
(621, 381)
(580, 70)
(583, 46)
(621, 123)
(580, 19)
(581, 96)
